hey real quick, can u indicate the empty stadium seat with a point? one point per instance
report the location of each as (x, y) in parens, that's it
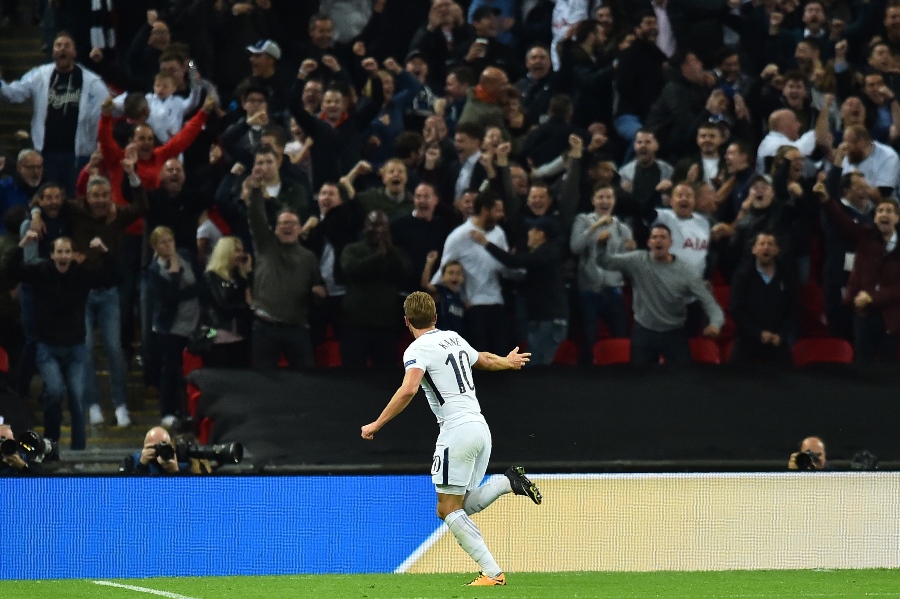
(704, 351)
(612, 351)
(567, 354)
(4, 360)
(328, 354)
(822, 350)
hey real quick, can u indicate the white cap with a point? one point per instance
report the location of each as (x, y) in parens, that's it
(266, 47)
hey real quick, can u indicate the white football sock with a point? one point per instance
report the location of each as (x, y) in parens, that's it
(486, 494)
(469, 538)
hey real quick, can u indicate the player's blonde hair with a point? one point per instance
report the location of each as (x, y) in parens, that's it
(420, 310)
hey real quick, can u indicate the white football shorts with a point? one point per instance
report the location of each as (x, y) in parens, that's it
(461, 457)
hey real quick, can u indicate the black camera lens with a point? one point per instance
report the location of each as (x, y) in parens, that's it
(165, 451)
(9, 447)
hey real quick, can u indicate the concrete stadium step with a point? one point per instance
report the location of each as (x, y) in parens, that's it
(20, 51)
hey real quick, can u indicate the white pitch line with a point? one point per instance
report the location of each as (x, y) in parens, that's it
(105, 583)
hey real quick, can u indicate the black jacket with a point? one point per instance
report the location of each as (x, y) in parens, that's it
(544, 291)
(228, 307)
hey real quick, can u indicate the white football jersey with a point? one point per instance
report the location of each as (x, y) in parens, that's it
(447, 360)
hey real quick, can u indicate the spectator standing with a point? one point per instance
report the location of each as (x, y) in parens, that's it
(179, 290)
(285, 278)
(374, 270)
(419, 232)
(546, 303)
(66, 99)
(873, 288)
(61, 287)
(662, 284)
(486, 318)
(227, 277)
(21, 188)
(599, 289)
(765, 301)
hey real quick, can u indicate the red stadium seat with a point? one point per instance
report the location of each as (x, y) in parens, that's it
(822, 350)
(4, 360)
(612, 351)
(567, 354)
(328, 354)
(190, 362)
(193, 398)
(282, 361)
(704, 351)
(203, 431)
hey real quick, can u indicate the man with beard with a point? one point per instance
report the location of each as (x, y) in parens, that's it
(485, 320)
(873, 288)
(392, 198)
(66, 99)
(662, 284)
(19, 190)
(765, 303)
(877, 161)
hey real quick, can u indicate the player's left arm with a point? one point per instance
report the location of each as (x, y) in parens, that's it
(398, 403)
(513, 361)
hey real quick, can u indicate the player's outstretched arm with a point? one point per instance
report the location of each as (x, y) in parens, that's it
(513, 360)
(398, 403)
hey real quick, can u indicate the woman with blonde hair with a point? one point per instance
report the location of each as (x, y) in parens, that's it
(228, 281)
(179, 294)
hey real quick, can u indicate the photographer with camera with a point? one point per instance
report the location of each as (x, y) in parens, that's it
(811, 456)
(163, 456)
(157, 458)
(14, 459)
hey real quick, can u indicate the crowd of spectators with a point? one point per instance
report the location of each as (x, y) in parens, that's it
(287, 171)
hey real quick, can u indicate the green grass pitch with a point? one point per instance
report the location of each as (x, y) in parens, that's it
(792, 584)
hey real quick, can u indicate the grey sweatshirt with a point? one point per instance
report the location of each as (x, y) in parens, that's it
(284, 274)
(661, 289)
(583, 244)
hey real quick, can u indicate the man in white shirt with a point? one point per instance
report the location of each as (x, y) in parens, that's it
(878, 162)
(441, 362)
(784, 130)
(485, 318)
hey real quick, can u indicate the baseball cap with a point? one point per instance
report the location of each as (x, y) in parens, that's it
(484, 11)
(547, 225)
(759, 177)
(413, 54)
(266, 47)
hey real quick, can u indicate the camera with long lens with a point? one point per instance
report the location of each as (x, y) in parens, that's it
(164, 451)
(184, 450)
(34, 446)
(806, 460)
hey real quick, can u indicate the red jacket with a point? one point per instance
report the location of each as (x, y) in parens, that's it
(147, 170)
(875, 270)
